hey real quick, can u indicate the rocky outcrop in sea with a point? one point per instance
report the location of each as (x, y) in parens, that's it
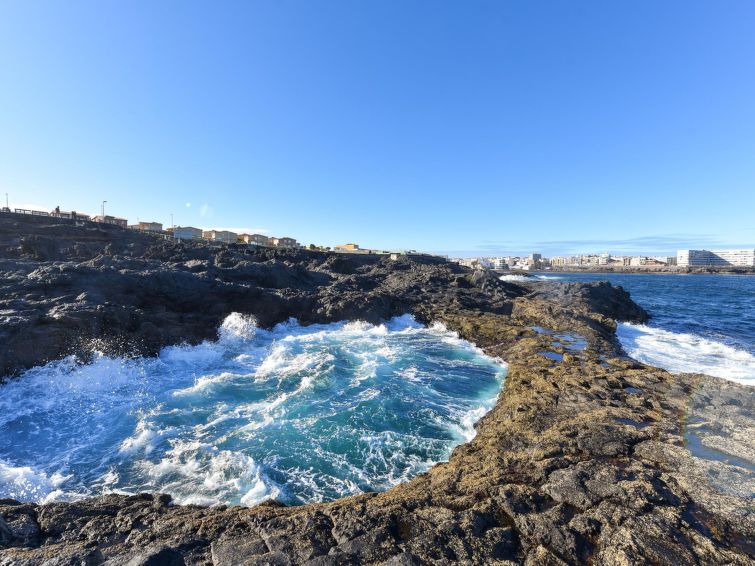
(585, 459)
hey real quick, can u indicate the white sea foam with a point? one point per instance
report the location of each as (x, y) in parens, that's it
(515, 278)
(303, 413)
(686, 353)
(142, 441)
(27, 484)
(238, 326)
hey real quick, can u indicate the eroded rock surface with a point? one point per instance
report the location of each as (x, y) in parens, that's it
(584, 459)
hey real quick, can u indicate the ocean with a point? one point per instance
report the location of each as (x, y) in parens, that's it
(700, 323)
(298, 414)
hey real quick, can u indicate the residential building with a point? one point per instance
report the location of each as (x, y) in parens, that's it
(107, 219)
(255, 239)
(187, 233)
(589, 260)
(348, 248)
(284, 242)
(500, 263)
(472, 262)
(147, 226)
(223, 236)
(637, 261)
(716, 258)
(485, 262)
(565, 260)
(73, 215)
(655, 261)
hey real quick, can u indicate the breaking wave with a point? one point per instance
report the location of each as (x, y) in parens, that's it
(686, 353)
(513, 277)
(299, 414)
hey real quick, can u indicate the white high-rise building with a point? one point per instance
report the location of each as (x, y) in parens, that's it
(716, 258)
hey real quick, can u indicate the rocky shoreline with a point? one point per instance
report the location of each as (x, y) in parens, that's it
(585, 459)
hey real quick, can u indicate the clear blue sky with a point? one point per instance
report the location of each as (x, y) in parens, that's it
(469, 127)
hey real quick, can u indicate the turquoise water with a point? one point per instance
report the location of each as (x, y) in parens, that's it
(298, 414)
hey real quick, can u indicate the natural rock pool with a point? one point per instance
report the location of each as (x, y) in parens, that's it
(299, 414)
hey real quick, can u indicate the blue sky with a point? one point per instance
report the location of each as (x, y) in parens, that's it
(471, 128)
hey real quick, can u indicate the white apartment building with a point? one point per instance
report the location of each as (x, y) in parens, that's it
(500, 263)
(716, 258)
(637, 260)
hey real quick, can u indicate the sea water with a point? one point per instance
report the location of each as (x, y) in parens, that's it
(296, 413)
(700, 323)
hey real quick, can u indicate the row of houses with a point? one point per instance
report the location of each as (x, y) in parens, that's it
(228, 237)
(537, 261)
(606, 259)
(177, 232)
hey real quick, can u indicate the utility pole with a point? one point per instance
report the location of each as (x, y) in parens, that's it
(103, 209)
(6, 202)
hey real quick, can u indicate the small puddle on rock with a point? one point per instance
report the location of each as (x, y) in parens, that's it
(570, 341)
(552, 356)
(694, 444)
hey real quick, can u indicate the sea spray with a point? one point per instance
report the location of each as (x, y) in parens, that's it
(296, 413)
(681, 352)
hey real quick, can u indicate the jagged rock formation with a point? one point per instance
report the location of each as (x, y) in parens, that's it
(582, 460)
(137, 294)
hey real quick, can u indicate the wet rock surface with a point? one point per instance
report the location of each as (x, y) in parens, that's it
(584, 459)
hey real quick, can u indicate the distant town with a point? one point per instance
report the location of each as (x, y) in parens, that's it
(714, 259)
(191, 233)
(599, 261)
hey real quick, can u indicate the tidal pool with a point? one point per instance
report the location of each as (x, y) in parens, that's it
(299, 414)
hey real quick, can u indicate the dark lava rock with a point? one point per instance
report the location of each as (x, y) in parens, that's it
(582, 460)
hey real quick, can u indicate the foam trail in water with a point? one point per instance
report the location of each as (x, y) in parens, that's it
(686, 353)
(294, 413)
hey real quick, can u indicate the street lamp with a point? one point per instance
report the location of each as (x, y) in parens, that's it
(103, 209)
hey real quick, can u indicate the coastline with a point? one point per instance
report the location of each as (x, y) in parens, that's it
(581, 459)
(639, 271)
